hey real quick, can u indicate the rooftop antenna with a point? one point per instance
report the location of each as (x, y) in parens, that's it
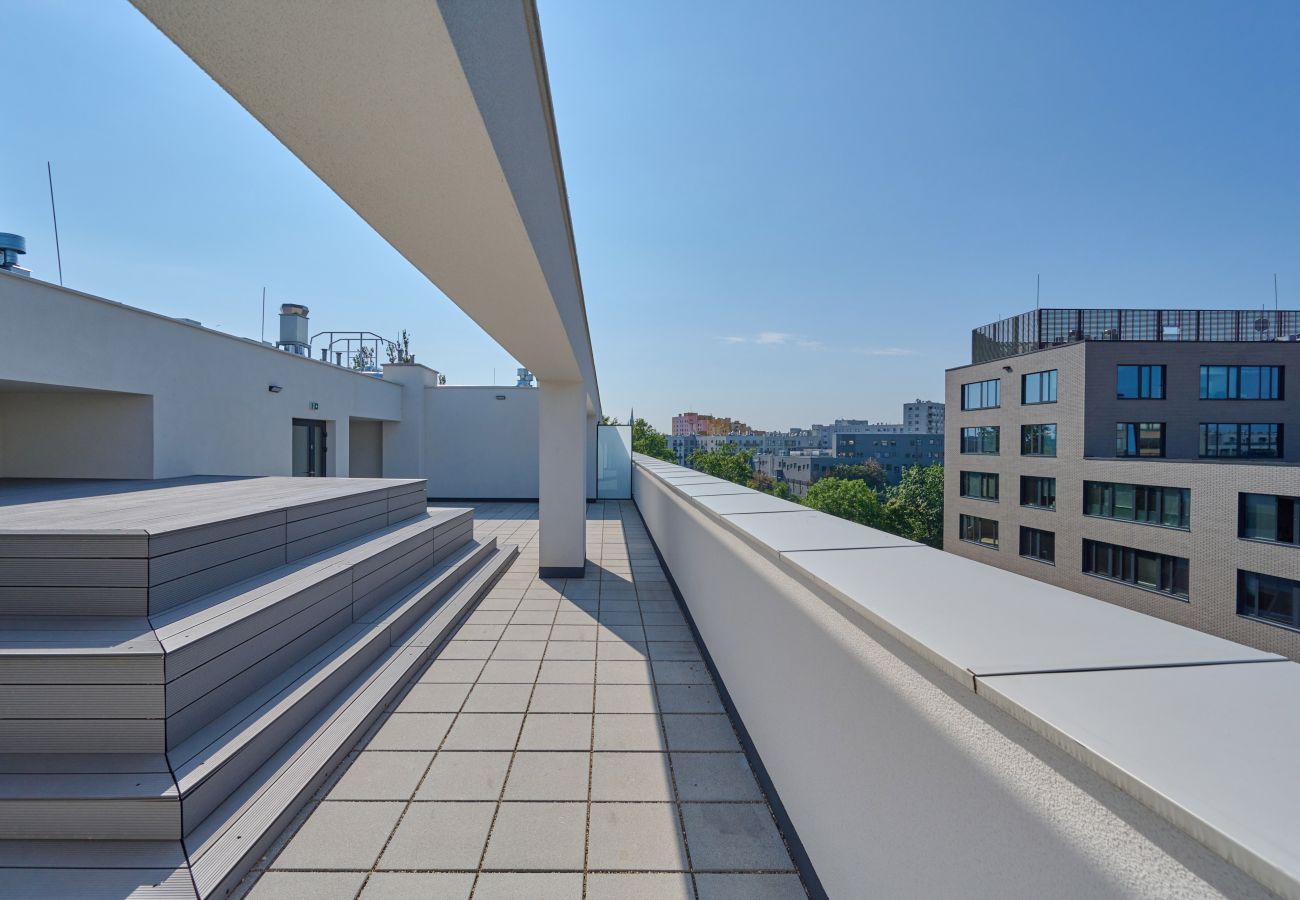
(1038, 290)
(263, 314)
(49, 174)
(1275, 292)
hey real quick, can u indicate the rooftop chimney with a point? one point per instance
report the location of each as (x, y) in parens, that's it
(293, 329)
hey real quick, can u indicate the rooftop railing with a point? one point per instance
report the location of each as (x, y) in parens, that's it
(1043, 328)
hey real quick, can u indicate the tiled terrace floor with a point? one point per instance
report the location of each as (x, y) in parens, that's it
(567, 743)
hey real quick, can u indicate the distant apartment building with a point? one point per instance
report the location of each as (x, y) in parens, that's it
(894, 451)
(1144, 457)
(701, 423)
(923, 417)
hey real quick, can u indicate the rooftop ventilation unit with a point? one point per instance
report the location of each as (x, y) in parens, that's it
(11, 247)
(525, 378)
(293, 329)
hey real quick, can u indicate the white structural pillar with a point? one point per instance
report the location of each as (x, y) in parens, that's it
(562, 479)
(404, 440)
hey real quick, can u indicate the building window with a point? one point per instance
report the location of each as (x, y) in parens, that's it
(1038, 491)
(982, 394)
(1139, 438)
(1037, 440)
(980, 439)
(1038, 544)
(1140, 382)
(1241, 440)
(979, 485)
(1269, 517)
(975, 530)
(1142, 503)
(1038, 387)
(1268, 597)
(1241, 382)
(1141, 568)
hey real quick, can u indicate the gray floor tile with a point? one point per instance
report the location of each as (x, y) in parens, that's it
(636, 837)
(546, 836)
(639, 886)
(439, 836)
(509, 671)
(621, 650)
(679, 650)
(567, 671)
(458, 775)
(631, 776)
(526, 632)
(548, 776)
(611, 605)
(573, 633)
(532, 617)
(614, 671)
(668, 633)
(663, 618)
(570, 650)
(484, 731)
(733, 837)
(480, 632)
(427, 698)
(714, 776)
(529, 886)
(632, 634)
(418, 886)
(669, 671)
(340, 836)
(557, 698)
(411, 731)
(750, 887)
(459, 649)
(381, 775)
(689, 698)
(306, 886)
(700, 732)
(610, 617)
(519, 650)
(488, 617)
(498, 698)
(575, 617)
(634, 731)
(453, 670)
(625, 698)
(556, 731)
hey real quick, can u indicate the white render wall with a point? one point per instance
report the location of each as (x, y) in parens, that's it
(479, 446)
(212, 411)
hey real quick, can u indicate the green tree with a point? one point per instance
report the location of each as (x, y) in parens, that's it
(650, 442)
(872, 472)
(728, 461)
(914, 508)
(851, 499)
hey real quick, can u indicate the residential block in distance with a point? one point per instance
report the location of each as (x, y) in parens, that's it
(1144, 457)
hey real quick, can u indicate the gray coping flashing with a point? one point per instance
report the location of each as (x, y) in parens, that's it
(1158, 733)
(1129, 695)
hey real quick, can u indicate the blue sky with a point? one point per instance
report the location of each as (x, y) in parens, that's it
(784, 214)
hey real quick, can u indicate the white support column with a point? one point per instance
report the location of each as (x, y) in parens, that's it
(562, 478)
(404, 444)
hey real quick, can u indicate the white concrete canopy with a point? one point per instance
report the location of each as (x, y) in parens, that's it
(433, 121)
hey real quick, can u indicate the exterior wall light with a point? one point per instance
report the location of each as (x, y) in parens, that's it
(274, 388)
(501, 396)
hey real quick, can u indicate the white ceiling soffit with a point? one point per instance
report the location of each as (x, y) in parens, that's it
(433, 121)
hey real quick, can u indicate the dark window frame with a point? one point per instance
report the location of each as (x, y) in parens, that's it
(980, 522)
(1233, 381)
(1138, 428)
(1038, 438)
(1278, 584)
(1024, 479)
(1125, 565)
(984, 479)
(984, 392)
(1141, 497)
(1238, 429)
(1146, 383)
(1286, 519)
(1038, 538)
(1042, 379)
(985, 430)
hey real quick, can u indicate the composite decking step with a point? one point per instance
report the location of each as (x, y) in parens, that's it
(136, 548)
(230, 839)
(131, 684)
(140, 870)
(87, 795)
(224, 753)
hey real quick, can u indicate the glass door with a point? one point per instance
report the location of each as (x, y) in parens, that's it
(309, 447)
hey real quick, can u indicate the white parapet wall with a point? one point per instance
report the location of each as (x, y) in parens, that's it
(482, 442)
(93, 388)
(902, 704)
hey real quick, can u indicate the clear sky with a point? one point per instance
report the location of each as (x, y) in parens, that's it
(785, 213)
